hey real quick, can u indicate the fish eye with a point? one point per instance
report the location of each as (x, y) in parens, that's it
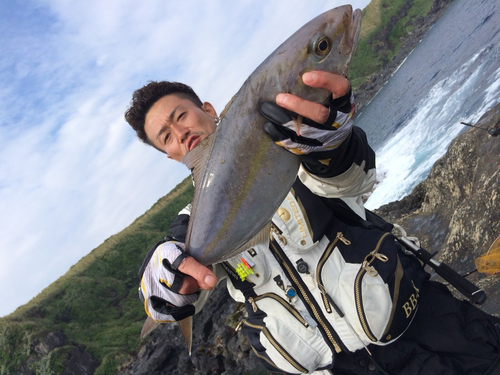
(322, 46)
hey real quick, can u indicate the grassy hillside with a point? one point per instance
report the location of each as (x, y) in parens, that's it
(95, 304)
(385, 24)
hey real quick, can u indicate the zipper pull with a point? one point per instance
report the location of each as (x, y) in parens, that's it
(381, 257)
(254, 305)
(334, 305)
(279, 282)
(281, 238)
(238, 327)
(308, 319)
(370, 270)
(341, 237)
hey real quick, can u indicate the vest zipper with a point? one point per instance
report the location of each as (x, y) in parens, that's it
(308, 301)
(367, 268)
(277, 346)
(281, 301)
(324, 257)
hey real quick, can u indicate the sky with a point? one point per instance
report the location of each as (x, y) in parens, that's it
(72, 171)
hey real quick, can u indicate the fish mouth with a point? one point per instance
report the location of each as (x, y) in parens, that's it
(347, 46)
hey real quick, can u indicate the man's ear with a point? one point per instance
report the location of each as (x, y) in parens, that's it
(209, 109)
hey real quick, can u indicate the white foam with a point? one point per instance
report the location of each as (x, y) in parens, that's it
(406, 159)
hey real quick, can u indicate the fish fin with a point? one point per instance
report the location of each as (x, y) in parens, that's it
(259, 238)
(350, 40)
(226, 108)
(262, 237)
(297, 124)
(187, 331)
(196, 160)
(149, 326)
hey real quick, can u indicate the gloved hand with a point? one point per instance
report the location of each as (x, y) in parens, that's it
(303, 136)
(161, 281)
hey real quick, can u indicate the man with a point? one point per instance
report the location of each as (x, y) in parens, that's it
(334, 290)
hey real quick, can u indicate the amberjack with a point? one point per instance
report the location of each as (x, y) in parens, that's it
(240, 175)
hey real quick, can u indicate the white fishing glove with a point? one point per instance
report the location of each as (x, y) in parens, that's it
(313, 137)
(161, 281)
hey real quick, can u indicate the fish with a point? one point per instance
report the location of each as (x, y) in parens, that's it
(240, 175)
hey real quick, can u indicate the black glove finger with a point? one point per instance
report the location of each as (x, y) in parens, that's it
(173, 266)
(327, 125)
(279, 116)
(342, 103)
(280, 133)
(177, 283)
(275, 113)
(166, 308)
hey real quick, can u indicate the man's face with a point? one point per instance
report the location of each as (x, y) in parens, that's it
(175, 125)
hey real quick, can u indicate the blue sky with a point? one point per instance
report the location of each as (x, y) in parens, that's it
(72, 172)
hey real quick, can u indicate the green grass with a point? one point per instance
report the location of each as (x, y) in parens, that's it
(96, 303)
(385, 23)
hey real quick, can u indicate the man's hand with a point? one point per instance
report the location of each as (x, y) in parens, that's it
(196, 276)
(317, 127)
(337, 85)
(171, 283)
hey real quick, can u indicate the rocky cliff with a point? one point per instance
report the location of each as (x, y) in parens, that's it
(456, 210)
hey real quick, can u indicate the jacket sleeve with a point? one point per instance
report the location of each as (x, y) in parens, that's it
(179, 226)
(346, 172)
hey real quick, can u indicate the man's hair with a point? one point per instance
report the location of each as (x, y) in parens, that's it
(144, 98)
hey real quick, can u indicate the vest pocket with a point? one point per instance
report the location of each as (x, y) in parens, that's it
(280, 336)
(367, 298)
(377, 290)
(356, 289)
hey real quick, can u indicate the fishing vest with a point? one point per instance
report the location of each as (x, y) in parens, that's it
(329, 282)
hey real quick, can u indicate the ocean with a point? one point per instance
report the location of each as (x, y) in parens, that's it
(453, 75)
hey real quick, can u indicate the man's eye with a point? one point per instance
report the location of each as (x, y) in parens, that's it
(181, 115)
(166, 137)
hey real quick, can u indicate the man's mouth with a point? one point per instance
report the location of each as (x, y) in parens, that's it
(193, 141)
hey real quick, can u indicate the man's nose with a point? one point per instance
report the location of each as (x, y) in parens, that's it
(180, 131)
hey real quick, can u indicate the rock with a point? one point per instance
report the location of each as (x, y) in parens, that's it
(52, 340)
(456, 210)
(217, 347)
(79, 362)
(73, 357)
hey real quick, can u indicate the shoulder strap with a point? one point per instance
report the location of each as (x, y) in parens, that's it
(343, 212)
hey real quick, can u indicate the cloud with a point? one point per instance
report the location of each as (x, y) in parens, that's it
(71, 170)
